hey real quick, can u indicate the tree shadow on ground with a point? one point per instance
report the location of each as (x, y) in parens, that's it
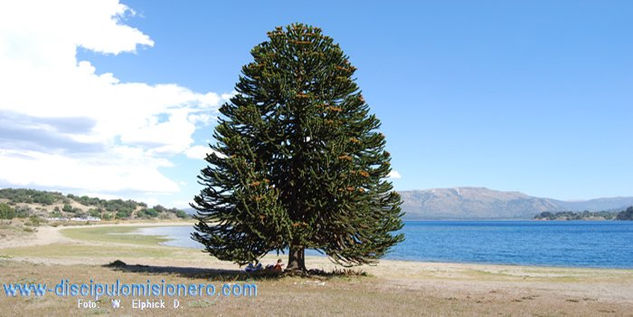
(227, 274)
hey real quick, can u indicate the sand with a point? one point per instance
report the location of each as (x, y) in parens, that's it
(458, 288)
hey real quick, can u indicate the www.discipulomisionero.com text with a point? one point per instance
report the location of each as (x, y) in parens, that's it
(116, 289)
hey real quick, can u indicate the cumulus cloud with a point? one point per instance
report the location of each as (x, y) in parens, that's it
(197, 152)
(394, 175)
(200, 152)
(121, 169)
(63, 125)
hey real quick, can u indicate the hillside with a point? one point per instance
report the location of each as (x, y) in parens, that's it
(432, 204)
(45, 204)
(484, 203)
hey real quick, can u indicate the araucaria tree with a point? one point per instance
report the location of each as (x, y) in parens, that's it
(299, 162)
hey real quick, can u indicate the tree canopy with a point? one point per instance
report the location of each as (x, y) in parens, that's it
(626, 214)
(299, 161)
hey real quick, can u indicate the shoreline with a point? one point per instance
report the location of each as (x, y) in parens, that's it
(46, 235)
(550, 266)
(405, 287)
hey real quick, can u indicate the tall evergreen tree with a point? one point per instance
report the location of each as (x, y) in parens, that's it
(299, 162)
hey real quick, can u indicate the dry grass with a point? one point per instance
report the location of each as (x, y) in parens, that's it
(391, 288)
(15, 230)
(366, 296)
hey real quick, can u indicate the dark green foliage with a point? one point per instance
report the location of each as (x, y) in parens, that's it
(545, 215)
(94, 213)
(6, 212)
(86, 201)
(118, 204)
(160, 211)
(573, 215)
(148, 213)
(122, 209)
(299, 162)
(109, 205)
(151, 212)
(124, 213)
(626, 214)
(30, 196)
(179, 213)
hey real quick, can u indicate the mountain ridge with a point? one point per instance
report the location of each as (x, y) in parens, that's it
(483, 203)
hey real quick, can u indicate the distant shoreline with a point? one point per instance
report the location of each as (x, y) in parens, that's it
(436, 287)
(46, 235)
(51, 235)
(179, 240)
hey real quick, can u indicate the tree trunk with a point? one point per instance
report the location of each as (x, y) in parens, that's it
(296, 259)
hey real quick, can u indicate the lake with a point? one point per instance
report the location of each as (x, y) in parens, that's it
(545, 243)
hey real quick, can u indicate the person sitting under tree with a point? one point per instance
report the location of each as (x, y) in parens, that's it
(278, 267)
(253, 268)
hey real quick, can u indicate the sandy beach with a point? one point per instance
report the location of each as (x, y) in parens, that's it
(405, 287)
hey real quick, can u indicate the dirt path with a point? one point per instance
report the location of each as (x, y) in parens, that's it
(43, 236)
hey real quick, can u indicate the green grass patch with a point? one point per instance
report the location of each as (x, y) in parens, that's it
(113, 234)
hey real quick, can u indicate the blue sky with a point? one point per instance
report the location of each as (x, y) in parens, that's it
(533, 96)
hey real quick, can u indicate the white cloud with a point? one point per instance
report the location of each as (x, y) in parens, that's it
(122, 169)
(200, 152)
(197, 152)
(394, 175)
(72, 128)
(181, 204)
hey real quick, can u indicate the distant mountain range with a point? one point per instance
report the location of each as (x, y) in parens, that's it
(484, 203)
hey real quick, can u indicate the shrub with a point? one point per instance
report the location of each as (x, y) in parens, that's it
(22, 212)
(6, 212)
(153, 213)
(35, 221)
(94, 213)
(123, 213)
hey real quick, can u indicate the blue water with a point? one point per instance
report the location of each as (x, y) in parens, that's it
(549, 243)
